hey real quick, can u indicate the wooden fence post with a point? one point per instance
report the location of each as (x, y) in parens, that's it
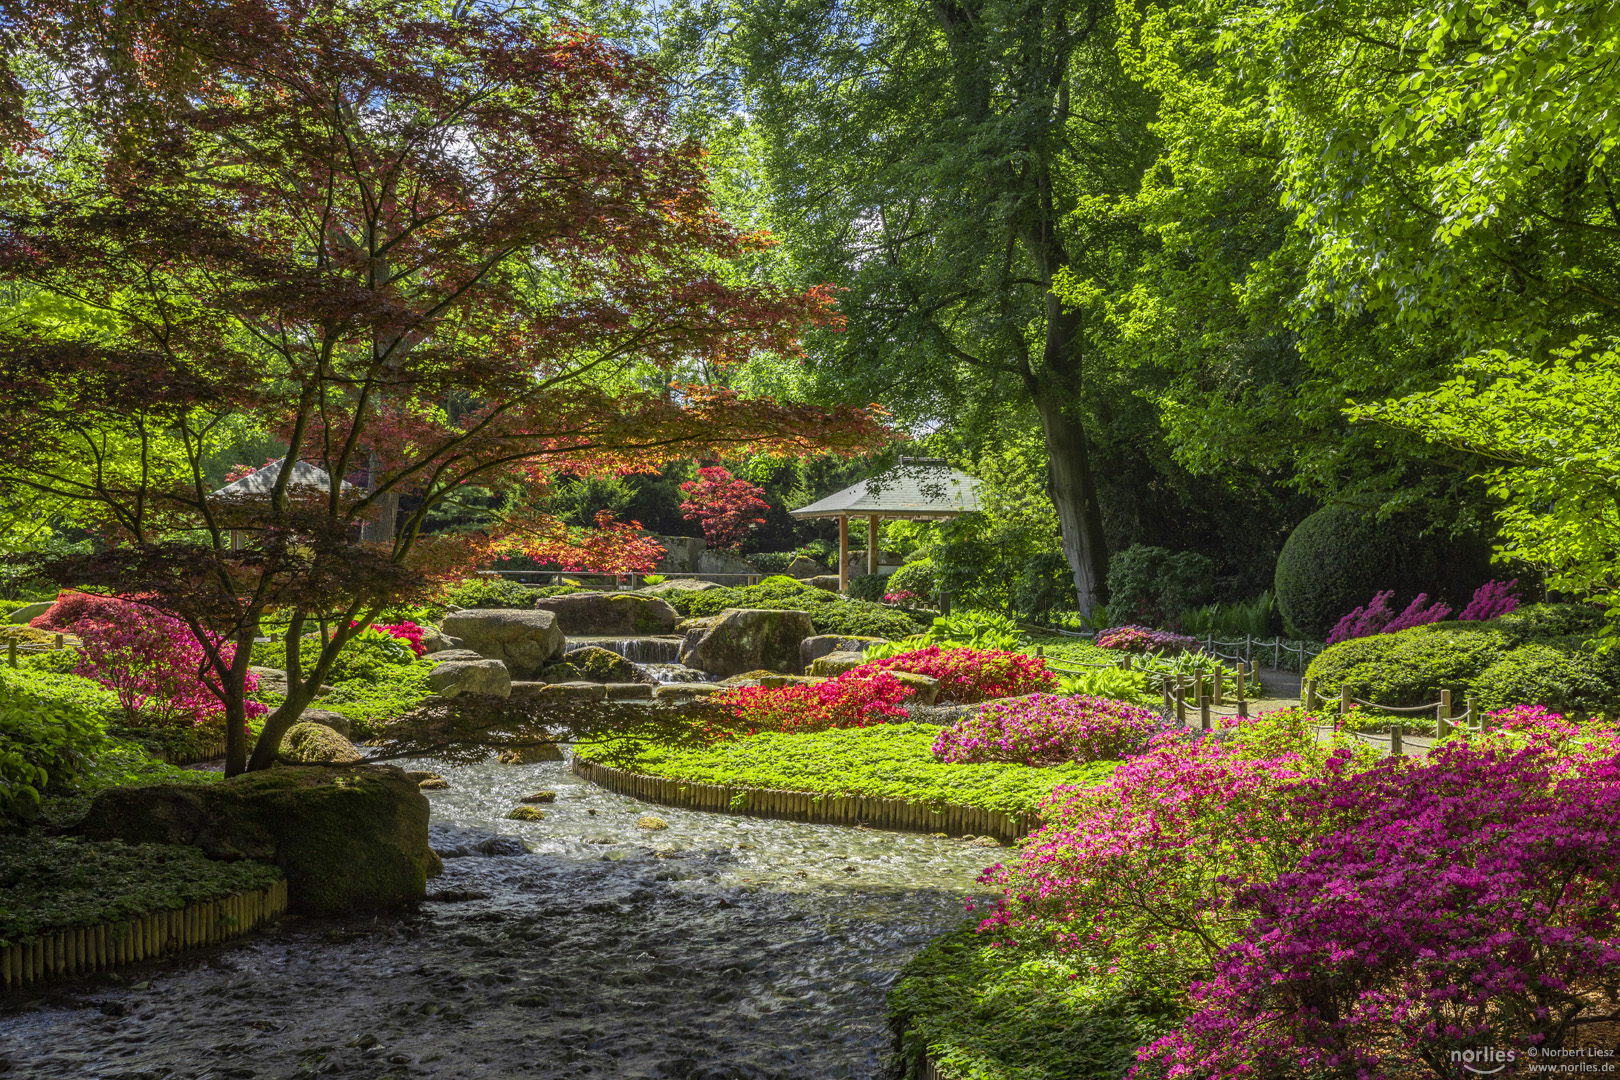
(1473, 718)
(1203, 713)
(11, 652)
(1442, 717)
(1395, 747)
(1220, 671)
(1181, 701)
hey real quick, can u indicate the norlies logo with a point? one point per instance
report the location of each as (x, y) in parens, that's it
(1484, 1062)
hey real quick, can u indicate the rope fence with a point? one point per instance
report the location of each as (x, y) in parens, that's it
(1286, 654)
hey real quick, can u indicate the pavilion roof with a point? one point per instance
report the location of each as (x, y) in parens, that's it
(304, 475)
(916, 489)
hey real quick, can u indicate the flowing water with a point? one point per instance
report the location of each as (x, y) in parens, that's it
(718, 947)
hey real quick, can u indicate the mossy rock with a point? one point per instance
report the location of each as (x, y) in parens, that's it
(540, 797)
(525, 813)
(610, 614)
(600, 665)
(651, 823)
(565, 672)
(529, 755)
(310, 744)
(349, 838)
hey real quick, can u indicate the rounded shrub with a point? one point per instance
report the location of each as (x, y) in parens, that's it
(481, 592)
(1410, 667)
(919, 578)
(858, 618)
(868, 586)
(1542, 674)
(1339, 556)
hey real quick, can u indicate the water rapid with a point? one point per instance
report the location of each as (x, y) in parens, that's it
(584, 945)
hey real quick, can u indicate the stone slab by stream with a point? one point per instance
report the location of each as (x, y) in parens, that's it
(715, 948)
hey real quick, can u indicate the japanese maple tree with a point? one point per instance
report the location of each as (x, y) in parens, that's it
(727, 507)
(430, 253)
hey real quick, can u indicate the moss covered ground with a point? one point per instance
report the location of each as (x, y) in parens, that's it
(984, 1012)
(52, 883)
(891, 761)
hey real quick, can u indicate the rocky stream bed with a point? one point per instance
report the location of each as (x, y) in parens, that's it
(585, 944)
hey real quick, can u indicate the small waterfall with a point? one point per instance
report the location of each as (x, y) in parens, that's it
(664, 674)
(637, 650)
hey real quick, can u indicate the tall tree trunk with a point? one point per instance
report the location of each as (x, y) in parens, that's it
(1069, 484)
(234, 684)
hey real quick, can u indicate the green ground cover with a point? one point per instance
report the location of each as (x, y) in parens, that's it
(889, 761)
(56, 883)
(1068, 650)
(984, 1012)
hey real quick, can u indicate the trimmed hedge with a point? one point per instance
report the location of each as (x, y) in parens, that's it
(1503, 662)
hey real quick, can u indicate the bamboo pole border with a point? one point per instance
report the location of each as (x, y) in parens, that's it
(211, 752)
(84, 949)
(809, 807)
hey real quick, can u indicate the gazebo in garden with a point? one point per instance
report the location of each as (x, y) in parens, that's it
(919, 489)
(305, 477)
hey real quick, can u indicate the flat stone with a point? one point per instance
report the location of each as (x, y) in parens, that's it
(452, 678)
(802, 568)
(836, 663)
(28, 612)
(680, 690)
(829, 582)
(924, 688)
(327, 718)
(571, 691)
(812, 649)
(629, 691)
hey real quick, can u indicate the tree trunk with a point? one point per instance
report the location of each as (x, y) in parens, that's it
(277, 723)
(234, 684)
(1069, 484)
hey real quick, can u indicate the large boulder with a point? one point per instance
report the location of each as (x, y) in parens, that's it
(433, 639)
(836, 663)
(802, 568)
(602, 665)
(680, 585)
(749, 639)
(525, 641)
(452, 678)
(327, 718)
(601, 614)
(349, 838)
(309, 743)
(28, 612)
(812, 649)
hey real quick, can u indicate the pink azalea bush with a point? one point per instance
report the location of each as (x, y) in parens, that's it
(970, 675)
(1490, 600)
(901, 596)
(1417, 614)
(152, 662)
(1470, 900)
(1133, 877)
(1141, 639)
(1364, 621)
(1045, 729)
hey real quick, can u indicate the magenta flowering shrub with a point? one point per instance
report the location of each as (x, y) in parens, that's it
(1133, 877)
(1141, 639)
(1416, 614)
(1045, 729)
(1473, 900)
(1377, 617)
(1490, 600)
(152, 662)
(407, 631)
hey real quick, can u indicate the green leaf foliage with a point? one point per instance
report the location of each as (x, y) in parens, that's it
(51, 725)
(57, 883)
(829, 612)
(891, 761)
(983, 1011)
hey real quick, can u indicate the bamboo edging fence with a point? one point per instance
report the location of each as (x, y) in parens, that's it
(85, 949)
(809, 807)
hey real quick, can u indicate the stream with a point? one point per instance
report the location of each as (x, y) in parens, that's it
(718, 947)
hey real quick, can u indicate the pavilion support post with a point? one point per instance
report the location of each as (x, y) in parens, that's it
(872, 544)
(843, 553)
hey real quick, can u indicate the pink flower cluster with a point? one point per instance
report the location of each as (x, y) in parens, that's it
(1045, 729)
(151, 661)
(1376, 617)
(902, 596)
(850, 700)
(407, 631)
(969, 675)
(1141, 639)
(1470, 900)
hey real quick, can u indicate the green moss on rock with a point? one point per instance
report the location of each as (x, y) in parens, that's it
(348, 838)
(601, 665)
(310, 743)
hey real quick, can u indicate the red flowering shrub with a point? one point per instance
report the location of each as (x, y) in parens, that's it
(406, 631)
(850, 700)
(151, 661)
(727, 508)
(969, 675)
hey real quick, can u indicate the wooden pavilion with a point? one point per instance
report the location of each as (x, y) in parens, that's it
(918, 489)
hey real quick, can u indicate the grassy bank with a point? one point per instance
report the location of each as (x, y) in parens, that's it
(890, 761)
(981, 1012)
